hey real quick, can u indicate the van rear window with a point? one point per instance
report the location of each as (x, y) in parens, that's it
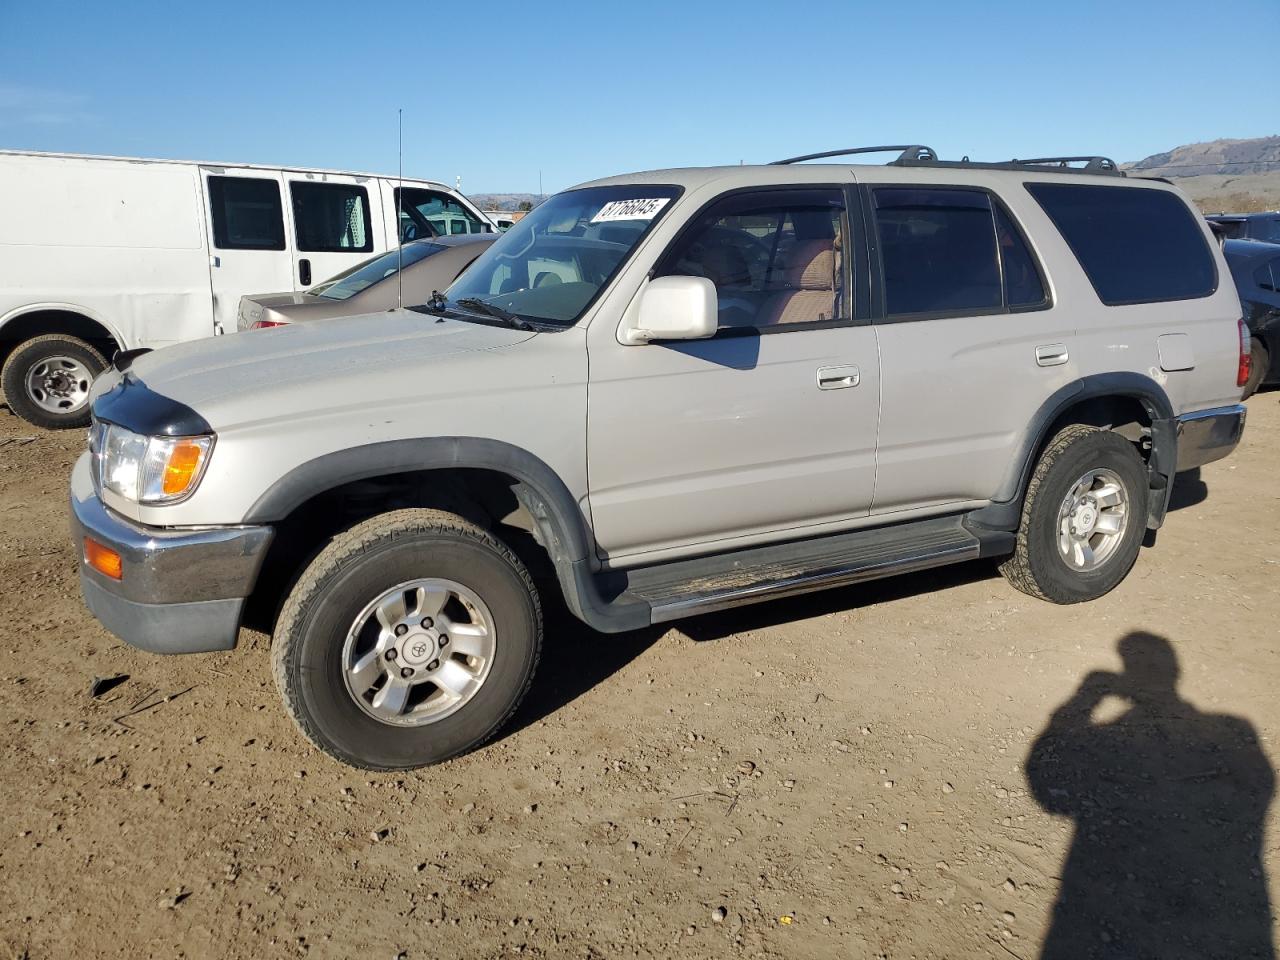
(1136, 245)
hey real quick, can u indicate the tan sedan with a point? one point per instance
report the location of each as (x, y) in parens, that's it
(368, 287)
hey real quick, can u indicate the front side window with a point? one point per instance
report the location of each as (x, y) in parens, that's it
(246, 213)
(776, 257)
(364, 275)
(550, 266)
(331, 217)
(429, 213)
(1136, 244)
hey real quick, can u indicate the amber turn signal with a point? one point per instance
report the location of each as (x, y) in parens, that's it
(103, 559)
(184, 460)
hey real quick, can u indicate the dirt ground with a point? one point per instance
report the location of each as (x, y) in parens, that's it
(853, 774)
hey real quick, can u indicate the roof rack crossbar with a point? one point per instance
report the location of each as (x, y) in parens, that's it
(913, 151)
(1090, 163)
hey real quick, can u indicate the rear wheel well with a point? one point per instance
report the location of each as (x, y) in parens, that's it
(67, 322)
(490, 499)
(1125, 415)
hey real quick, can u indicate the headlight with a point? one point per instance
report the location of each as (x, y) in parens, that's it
(148, 469)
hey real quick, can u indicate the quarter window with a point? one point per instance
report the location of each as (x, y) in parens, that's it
(331, 217)
(1023, 286)
(776, 258)
(1136, 244)
(1268, 276)
(246, 213)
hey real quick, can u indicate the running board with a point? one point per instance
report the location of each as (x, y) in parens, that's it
(706, 584)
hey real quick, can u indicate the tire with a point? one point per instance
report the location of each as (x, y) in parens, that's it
(1259, 367)
(1052, 566)
(46, 380)
(315, 646)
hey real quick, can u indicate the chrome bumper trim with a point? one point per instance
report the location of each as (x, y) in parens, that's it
(164, 565)
(1208, 435)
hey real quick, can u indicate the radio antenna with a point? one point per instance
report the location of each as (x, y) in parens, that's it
(399, 214)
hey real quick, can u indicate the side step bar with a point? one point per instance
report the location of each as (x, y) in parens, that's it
(705, 584)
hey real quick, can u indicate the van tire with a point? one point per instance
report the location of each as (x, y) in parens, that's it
(1259, 367)
(72, 359)
(310, 659)
(1039, 566)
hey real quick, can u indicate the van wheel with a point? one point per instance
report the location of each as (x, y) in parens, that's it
(410, 639)
(46, 380)
(1083, 517)
(1259, 367)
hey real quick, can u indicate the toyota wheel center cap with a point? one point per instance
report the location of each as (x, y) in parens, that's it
(417, 649)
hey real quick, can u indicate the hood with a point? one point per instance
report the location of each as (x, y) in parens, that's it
(310, 367)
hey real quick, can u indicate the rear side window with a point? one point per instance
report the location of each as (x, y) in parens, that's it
(331, 217)
(1136, 245)
(246, 213)
(952, 252)
(1269, 229)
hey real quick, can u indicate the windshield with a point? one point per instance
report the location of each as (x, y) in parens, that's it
(364, 275)
(550, 265)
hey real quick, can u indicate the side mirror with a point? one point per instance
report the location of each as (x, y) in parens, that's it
(673, 308)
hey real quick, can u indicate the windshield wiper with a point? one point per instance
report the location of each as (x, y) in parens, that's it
(493, 310)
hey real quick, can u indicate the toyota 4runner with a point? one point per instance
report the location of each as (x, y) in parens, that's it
(680, 391)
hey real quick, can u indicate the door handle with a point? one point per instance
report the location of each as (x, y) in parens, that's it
(1051, 354)
(837, 378)
(304, 272)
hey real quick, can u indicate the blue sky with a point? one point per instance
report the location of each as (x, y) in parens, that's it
(496, 92)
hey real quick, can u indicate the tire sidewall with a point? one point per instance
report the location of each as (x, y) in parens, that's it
(315, 652)
(13, 379)
(1098, 450)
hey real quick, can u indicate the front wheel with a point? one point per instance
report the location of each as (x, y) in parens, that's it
(46, 380)
(408, 640)
(1083, 517)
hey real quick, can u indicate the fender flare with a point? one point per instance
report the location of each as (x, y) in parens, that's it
(541, 491)
(1005, 510)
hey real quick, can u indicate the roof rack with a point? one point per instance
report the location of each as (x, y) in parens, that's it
(914, 151)
(1097, 166)
(1091, 164)
(918, 155)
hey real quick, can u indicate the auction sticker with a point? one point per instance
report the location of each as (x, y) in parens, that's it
(645, 209)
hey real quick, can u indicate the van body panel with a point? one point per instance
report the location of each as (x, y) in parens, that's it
(130, 243)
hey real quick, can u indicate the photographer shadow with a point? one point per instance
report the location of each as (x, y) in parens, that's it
(1169, 805)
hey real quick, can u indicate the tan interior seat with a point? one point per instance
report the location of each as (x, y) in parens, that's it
(807, 282)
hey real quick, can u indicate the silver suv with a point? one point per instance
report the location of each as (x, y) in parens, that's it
(676, 392)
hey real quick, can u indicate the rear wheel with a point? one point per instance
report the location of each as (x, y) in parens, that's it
(1083, 517)
(46, 380)
(1259, 366)
(408, 640)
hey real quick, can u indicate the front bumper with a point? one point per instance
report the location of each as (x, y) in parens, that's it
(181, 591)
(1209, 435)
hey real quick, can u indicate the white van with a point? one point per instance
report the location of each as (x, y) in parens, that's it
(99, 254)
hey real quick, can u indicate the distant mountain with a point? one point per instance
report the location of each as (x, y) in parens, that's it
(504, 201)
(1230, 157)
